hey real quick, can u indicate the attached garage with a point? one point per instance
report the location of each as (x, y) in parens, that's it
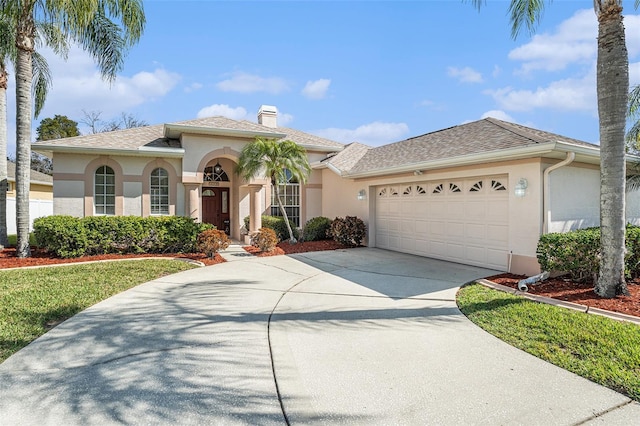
(459, 220)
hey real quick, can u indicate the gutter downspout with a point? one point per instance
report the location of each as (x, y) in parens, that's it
(547, 193)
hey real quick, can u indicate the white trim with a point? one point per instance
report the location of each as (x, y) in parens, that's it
(138, 152)
(174, 131)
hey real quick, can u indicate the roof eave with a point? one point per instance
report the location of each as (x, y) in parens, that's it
(320, 148)
(140, 152)
(463, 160)
(174, 131)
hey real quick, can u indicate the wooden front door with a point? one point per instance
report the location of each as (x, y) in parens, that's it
(215, 208)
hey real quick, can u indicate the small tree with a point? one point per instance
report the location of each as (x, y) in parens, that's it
(276, 160)
(58, 127)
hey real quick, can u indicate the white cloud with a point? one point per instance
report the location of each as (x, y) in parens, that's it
(499, 114)
(238, 113)
(243, 82)
(634, 74)
(193, 87)
(465, 75)
(574, 41)
(376, 133)
(496, 71)
(632, 34)
(316, 89)
(78, 85)
(572, 94)
(284, 119)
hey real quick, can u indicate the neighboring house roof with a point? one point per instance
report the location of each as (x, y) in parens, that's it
(36, 177)
(463, 141)
(165, 138)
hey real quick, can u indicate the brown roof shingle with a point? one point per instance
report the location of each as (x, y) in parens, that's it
(480, 136)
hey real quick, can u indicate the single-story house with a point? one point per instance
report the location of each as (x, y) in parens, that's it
(479, 193)
(40, 196)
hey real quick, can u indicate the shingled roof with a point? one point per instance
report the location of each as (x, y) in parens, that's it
(477, 137)
(153, 136)
(35, 176)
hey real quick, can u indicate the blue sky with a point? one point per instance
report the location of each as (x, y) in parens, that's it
(367, 71)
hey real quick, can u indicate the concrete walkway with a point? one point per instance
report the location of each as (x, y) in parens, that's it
(360, 336)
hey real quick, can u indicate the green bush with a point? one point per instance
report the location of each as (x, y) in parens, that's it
(115, 234)
(67, 236)
(265, 239)
(278, 225)
(64, 236)
(211, 241)
(349, 231)
(317, 228)
(578, 252)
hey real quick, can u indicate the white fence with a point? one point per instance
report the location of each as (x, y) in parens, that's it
(37, 208)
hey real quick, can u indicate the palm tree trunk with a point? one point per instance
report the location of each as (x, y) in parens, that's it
(3, 157)
(613, 89)
(276, 188)
(24, 73)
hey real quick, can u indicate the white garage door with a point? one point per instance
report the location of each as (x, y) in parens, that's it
(460, 220)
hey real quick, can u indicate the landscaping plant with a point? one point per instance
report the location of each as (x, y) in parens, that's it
(211, 241)
(317, 229)
(349, 231)
(265, 239)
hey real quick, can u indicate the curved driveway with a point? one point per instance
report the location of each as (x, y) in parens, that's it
(360, 336)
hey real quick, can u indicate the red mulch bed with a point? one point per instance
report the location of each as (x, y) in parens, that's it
(563, 288)
(39, 257)
(302, 247)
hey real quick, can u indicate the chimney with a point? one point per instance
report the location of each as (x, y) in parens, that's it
(268, 116)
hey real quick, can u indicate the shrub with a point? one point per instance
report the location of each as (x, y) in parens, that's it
(211, 241)
(265, 239)
(277, 224)
(115, 234)
(317, 228)
(349, 231)
(67, 236)
(578, 252)
(63, 236)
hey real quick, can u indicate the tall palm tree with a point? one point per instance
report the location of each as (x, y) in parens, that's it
(277, 160)
(49, 36)
(612, 89)
(90, 23)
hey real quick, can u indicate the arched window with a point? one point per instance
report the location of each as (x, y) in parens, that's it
(215, 174)
(104, 198)
(290, 196)
(159, 190)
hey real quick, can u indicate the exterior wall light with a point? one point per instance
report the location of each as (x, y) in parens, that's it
(521, 187)
(217, 169)
(362, 194)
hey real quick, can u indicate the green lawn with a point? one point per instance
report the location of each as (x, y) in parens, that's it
(597, 348)
(31, 298)
(13, 238)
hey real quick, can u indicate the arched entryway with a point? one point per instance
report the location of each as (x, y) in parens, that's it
(216, 197)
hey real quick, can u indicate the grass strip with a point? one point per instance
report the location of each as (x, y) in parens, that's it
(31, 300)
(600, 349)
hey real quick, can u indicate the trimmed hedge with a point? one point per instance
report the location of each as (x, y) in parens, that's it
(277, 224)
(67, 236)
(578, 252)
(317, 229)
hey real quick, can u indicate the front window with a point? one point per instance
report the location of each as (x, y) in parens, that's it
(290, 196)
(104, 197)
(159, 186)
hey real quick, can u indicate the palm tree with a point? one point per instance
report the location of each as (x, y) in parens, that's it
(41, 82)
(612, 89)
(277, 160)
(88, 23)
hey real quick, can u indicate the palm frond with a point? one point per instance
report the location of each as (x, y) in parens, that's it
(525, 13)
(633, 183)
(42, 81)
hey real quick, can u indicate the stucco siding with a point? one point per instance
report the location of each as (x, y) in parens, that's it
(68, 198)
(633, 207)
(132, 192)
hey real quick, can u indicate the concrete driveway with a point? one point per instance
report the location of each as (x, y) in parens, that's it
(360, 336)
